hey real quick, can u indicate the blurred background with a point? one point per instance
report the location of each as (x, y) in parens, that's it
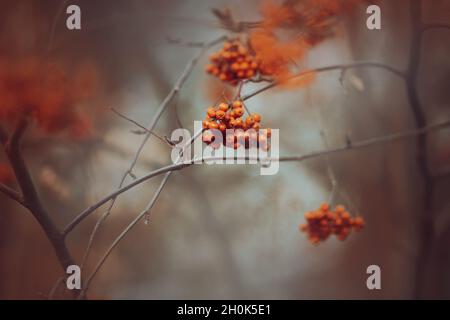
(225, 232)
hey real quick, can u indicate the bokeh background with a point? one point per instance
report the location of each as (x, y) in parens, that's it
(225, 231)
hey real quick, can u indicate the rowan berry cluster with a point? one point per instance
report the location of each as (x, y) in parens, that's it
(234, 62)
(237, 131)
(324, 222)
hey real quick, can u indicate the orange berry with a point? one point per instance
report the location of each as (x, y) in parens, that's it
(244, 66)
(309, 215)
(211, 112)
(320, 214)
(213, 125)
(214, 57)
(250, 73)
(215, 71)
(314, 240)
(237, 104)
(256, 126)
(242, 50)
(256, 117)
(324, 206)
(339, 209)
(223, 106)
(220, 114)
(345, 215)
(238, 122)
(222, 127)
(226, 55)
(238, 112)
(205, 123)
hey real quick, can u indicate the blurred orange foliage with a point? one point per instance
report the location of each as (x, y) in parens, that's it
(290, 29)
(48, 93)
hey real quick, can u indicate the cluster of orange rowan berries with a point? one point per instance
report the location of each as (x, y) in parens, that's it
(246, 132)
(324, 222)
(234, 62)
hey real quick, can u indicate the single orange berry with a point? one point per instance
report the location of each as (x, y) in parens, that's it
(220, 114)
(223, 106)
(226, 55)
(242, 50)
(205, 123)
(222, 127)
(237, 104)
(324, 206)
(345, 215)
(211, 112)
(238, 122)
(339, 209)
(213, 125)
(244, 66)
(256, 117)
(238, 112)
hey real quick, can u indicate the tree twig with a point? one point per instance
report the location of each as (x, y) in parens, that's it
(138, 125)
(182, 165)
(13, 194)
(412, 75)
(169, 169)
(124, 232)
(172, 94)
(31, 198)
(342, 67)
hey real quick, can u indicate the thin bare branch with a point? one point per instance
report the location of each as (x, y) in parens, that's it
(13, 194)
(125, 231)
(172, 94)
(30, 195)
(342, 67)
(138, 125)
(298, 158)
(169, 169)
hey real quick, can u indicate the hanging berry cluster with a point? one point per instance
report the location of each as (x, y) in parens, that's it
(234, 62)
(230, 116)
(323, 222)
